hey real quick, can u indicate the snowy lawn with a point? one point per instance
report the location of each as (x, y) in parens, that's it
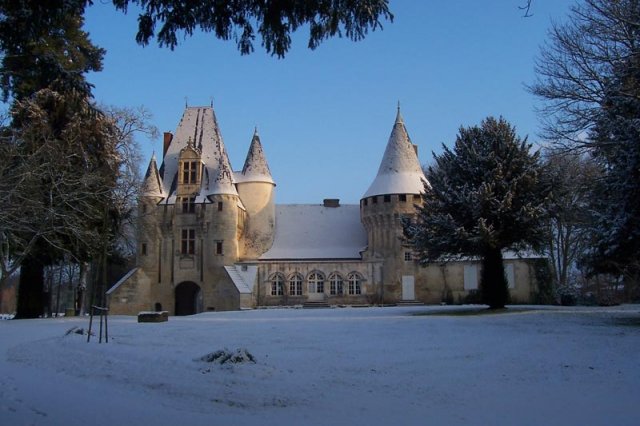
(359, 366)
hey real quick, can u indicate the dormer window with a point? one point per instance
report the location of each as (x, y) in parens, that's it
(190, 169)
(190, 172)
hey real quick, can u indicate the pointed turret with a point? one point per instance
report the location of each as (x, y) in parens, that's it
(223, 182)
(256, 168)
(257, 192)
(400, 171)
(152, 184)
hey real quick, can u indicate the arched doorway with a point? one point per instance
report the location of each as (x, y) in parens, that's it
(187, 295)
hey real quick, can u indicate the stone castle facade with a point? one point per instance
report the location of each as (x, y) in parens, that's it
(211, 238)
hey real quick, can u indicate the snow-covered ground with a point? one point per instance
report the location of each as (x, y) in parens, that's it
(359, 366)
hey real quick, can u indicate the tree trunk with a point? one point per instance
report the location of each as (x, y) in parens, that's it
(82, 289)
(31, 293)
(493, 282)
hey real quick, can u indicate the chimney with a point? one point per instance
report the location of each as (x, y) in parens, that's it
(331, 202)
(168, 137)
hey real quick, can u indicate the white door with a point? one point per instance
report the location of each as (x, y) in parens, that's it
(315, 287)
(408, 287)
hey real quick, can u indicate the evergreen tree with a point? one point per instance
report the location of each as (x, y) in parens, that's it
(43, 46)
(484, 196)
(68, 172)
(62, 152)
(242, 20)
(616, 196)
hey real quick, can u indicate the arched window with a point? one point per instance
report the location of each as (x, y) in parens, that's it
(277, 284)
(295, 285)
(355, 283)
(335, 284)
(316, 282)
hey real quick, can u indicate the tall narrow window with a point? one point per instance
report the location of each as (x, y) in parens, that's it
(295, 285)
(335, 284)
(220, 206)
(188, 204)
(144, 249)
(188, 245)
(355, 283)
(277, 285)
(316, 283)
(219, 247)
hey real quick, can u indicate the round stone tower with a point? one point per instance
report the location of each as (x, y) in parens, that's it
(148, 233)
(257, 192)
(392, 196)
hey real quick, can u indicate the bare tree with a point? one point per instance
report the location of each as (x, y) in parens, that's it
(577, 63)
(572, 176)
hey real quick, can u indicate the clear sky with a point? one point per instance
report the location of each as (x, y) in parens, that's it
(325, 116)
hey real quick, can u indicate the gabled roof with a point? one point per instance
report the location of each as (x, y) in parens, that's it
(152, 184)
(255, 167)
(199, 127)
(305, 231)
(400, 171)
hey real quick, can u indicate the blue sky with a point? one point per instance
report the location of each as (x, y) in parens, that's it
(325, 116)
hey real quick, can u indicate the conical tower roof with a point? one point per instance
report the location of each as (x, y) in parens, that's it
(199, 130)
(223, 182)
(152, 184)
(400, 171)
(256, 168)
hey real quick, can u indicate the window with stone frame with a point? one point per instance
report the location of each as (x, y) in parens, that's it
(219, 246)
(316, 282)
(188, 241)
(335, 284)
(190, 172)
(295, 285)
(355, 283)
(188, 204)
(277, 284)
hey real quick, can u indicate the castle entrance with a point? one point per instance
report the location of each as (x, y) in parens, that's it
(187, 295)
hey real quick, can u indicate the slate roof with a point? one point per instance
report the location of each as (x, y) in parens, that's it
(312, 231)
(152, 185)
(400, 171)
(199, 125)
(255, 167)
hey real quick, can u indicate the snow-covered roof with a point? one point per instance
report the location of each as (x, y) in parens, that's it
(243, 277)
(152, 185)
(255, 167)
(400, 171)
(200, 127)
(223, 183)
(305, 231)
(122, 280)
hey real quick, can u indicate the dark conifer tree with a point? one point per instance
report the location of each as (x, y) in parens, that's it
(484, 196)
